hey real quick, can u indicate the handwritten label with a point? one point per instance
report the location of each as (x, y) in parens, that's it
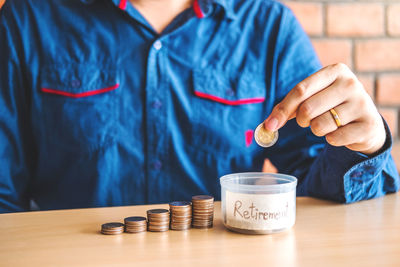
(260, 211)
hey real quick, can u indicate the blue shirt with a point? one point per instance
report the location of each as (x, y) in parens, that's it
(97, 109)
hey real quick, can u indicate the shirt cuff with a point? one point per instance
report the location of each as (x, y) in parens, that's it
(361, 174)
(362, 181)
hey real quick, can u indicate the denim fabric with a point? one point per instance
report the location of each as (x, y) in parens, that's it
(98, 109)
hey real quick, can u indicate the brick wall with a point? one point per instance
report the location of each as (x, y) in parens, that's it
(365, 35)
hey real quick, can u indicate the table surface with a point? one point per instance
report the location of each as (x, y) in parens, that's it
(325, 234)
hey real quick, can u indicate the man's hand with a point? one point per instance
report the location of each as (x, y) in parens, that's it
(337, 87)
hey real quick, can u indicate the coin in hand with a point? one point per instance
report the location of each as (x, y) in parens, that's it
(264, 137)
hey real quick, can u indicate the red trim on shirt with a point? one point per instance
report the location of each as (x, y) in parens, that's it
(122, 4)
(197, 10)
(230, 102)
(78, 95)
(249, 137)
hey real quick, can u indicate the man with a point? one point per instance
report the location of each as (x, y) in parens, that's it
(109, 102)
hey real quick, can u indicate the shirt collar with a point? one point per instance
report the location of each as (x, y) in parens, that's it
(202, 8)
(227, 5)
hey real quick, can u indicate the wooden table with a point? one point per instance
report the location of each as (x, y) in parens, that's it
(325, 234)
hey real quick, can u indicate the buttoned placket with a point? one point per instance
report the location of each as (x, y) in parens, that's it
(156, 95)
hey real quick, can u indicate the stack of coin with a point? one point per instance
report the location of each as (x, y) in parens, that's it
(203, 211)
(135, 224)
(181, 215)
(113, 228)
(158, 220)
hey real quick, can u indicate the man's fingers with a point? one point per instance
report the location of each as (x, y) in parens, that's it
(325, 123)
(286, 109)
(321, 102)
(351, 134)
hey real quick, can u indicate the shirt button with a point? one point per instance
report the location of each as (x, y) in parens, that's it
(157, 45)
(75, 83)
(157, 104)
(157, 165)
(230, 92)
(356, 174)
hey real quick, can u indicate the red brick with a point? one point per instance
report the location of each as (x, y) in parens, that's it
(390, 115)
(396, 154)
(333, 51)
(377, 55)
(309, 15)
(355, 19)
(387, 90)
(393, 19)
(369, 83)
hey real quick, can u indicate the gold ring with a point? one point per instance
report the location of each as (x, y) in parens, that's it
(335, 117)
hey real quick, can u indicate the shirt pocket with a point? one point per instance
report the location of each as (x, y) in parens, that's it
(225, 108)
(79, 103)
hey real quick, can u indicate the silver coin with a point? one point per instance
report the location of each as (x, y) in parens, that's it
(158, 211)
(179, 204)
(135, 219)
(264, 137)
(112, 226)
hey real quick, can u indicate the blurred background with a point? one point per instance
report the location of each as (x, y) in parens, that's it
(365, 35)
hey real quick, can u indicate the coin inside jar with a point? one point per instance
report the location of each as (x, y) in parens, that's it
(264, 137)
